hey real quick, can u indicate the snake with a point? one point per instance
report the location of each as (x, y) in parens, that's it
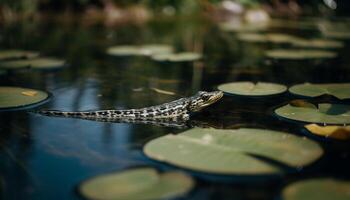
(166, 114)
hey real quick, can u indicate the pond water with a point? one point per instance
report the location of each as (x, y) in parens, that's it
(46, 157)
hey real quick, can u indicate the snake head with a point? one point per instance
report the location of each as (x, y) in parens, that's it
(203, 99)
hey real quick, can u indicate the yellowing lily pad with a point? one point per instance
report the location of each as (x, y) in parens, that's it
(177, 57)
(36, 63)
(252, 89)
(317, 43)
(339, 90)
(300, 54)
(14, 97)
(320, 189)
(140, 184)
(324, 114)
(336, 132)
(233, 151)
(142, 50)
(15, 54)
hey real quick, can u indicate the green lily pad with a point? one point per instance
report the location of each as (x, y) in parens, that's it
(324, 114)
(140, 184)
(178, 57)
(252, 89)
(320, 189)
(318, 43)
(339, 90)
(231, 151)
(14, 54)
(242, 27)
(36, 63)
(300, 54)
(14, 97)
(335, 30)
(142, 50)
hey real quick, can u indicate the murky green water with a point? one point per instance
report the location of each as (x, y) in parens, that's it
(46, 158)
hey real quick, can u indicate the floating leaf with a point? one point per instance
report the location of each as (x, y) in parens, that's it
(335, 30)
(141, 183)
(300, 54)
(324, 114)
(233, 151)
(320, 189)
(337, 132)
(14, 54)
(252, 37)
(270, 37)
(317, 43)
(299, 24)
(243, 27)
(13, 97)
(339, 90)
(177, 57)
(36, 63)
(142, 50)
(252, 89)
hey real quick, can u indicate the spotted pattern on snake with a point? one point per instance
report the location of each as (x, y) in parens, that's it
(178, 109)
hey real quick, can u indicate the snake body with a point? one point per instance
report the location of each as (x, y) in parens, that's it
(178, 109)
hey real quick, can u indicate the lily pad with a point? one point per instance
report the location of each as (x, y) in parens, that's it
(318, 43)
(300, 54)
(14, 97)
(270, 37)
(233, 152)
(336, 132)
(15, 54)
(242, 27)
(36, 63)
(177, 57)
(142, 50)
(252, 89)
(140, 184)
(339, 90)
(320, 189)
(324, 114)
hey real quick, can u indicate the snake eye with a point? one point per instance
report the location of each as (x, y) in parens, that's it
(205, 97)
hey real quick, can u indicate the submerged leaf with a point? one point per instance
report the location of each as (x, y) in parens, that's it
(162, 91)
(324, 114)
(320, 189)
(233, 151)
(252, 89)
(339, 90)
(138, 184)
(337, 132)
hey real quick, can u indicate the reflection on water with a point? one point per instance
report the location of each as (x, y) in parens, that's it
(45, 158)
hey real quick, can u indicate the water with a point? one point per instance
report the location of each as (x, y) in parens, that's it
(46, 158)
